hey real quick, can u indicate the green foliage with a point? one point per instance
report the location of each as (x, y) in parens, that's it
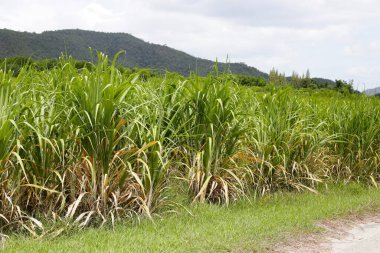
(247, 226)
(141, 54)
(92, 143)
(250, 80)
(213, 135)
(276, 78)
(15, 64)
(344, 87)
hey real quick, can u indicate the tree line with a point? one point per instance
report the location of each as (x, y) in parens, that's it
(275, 78)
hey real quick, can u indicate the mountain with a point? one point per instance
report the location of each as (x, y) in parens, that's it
(319, 80)
(373, 91)
(139, 53)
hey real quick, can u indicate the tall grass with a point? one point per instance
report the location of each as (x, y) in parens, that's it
(356, 122)
(91, 146)
(213, 136)
(285, 140)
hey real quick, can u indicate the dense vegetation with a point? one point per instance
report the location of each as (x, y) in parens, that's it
(246, 226)
(15, 64)
(92, 145)
(141, 54)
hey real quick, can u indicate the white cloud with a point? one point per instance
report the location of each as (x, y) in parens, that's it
(375, 45)
(365, 70)
(95, 15)
(333, 38)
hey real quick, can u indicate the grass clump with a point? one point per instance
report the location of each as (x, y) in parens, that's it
(92, 146)
(243, 226)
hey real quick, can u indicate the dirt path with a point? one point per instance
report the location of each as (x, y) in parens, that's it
(361, 238)
(351, 235)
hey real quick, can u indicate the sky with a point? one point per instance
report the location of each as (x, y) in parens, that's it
(336, 39)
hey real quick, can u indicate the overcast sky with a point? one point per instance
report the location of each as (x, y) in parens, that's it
(337, 39)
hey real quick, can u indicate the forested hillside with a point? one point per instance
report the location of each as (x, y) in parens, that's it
(139, 53)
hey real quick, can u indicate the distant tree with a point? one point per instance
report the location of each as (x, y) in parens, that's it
(250, 80)
(339, 84)
(321, 85)
(344, 87)
(50, 45)
(276, 78)
(307, 76)
(295, 80)
(307, 82)
(15, 64)
(304, 81)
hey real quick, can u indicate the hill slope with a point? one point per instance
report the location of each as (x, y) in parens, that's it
(373, 91)
(139, 53)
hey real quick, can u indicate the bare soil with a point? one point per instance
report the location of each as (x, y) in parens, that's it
(332, 232)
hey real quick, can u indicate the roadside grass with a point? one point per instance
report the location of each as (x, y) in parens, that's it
(244, 226)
